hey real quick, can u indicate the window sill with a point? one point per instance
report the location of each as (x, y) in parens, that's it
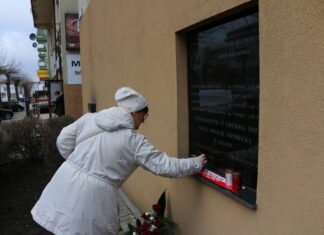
(246, 196)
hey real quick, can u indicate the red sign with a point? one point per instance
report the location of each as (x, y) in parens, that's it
(71, 31)
(217, 179)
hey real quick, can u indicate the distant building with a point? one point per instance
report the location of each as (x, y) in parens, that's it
(60, 19)
(43, 73)
(37, 86)
(3, 91)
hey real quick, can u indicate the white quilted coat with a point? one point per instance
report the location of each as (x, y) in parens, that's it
(101, 150)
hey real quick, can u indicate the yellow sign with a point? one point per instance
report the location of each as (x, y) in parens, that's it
(43, 75)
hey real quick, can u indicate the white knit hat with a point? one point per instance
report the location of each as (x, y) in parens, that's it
(130, 99)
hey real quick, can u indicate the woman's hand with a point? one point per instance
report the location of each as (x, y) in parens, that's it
(203, 160)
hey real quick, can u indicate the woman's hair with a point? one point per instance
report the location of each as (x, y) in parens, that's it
(145, 110)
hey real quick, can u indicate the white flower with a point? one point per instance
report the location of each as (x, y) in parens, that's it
(151, 218)
(152, 228)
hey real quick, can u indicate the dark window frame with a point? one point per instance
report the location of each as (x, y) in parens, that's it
(248, 195)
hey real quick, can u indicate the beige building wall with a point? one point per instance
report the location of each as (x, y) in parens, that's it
(136, 44)
(82, 6)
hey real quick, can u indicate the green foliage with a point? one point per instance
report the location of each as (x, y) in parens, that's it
(4, 140)
(138, 223)
(131, 227)
(30, 138)
(51, 130)
(162, 203)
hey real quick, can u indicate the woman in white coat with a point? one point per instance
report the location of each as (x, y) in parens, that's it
(102, 150)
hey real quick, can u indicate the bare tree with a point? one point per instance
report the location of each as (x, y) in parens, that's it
(26, 84)
(17, 79)
(2, 69)
(0, 88)
(12, 69)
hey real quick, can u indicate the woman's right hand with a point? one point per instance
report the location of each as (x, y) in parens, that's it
(203, 160)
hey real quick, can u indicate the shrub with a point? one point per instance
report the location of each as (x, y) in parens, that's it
(51, 130)
(30, 138)
(4, 140)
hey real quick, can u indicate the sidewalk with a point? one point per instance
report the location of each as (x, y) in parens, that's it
(127, 212)
(44, 116)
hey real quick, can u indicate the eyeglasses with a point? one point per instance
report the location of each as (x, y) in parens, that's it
(146, 116)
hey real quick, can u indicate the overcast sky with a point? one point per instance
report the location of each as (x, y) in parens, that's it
(16, 24)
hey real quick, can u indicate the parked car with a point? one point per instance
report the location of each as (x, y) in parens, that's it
(5, 114)
(14, 105)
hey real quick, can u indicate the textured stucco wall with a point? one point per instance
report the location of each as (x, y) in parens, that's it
(291, 147)
(134, 43)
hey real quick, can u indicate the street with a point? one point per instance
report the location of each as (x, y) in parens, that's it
(22, 114)
(19, 115)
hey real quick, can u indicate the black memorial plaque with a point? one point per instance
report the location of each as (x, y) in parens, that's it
(223, 91)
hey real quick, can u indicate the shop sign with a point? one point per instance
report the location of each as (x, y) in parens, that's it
(73, 69)
(42, 74)
(71, 31)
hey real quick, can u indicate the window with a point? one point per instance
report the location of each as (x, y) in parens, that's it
(223, 92)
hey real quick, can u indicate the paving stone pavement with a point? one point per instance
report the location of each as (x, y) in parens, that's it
(127, 212)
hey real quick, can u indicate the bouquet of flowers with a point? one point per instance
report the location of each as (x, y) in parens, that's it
(154, 222)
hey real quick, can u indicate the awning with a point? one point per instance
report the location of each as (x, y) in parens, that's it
(43, 11)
